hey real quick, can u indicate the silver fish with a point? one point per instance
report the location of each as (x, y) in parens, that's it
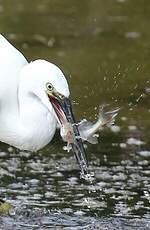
(88, 130)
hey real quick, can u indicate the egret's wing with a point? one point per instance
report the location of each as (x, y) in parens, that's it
(11, 62)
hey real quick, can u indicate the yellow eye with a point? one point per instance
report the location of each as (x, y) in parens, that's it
(49, 86)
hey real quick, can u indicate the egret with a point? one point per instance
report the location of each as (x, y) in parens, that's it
(34, 99)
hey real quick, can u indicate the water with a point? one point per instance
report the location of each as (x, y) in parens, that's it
(103, 49)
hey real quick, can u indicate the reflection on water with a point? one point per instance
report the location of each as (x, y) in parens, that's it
(103, 48)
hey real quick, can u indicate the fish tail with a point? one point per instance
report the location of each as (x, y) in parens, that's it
(107, 118)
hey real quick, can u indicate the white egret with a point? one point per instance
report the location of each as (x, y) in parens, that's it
(33, 99)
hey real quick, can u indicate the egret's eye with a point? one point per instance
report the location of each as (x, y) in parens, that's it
(49, 86)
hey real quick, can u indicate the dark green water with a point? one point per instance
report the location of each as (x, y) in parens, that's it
(103, 47)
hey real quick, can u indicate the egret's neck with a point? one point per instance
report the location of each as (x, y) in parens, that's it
(36, 120)
(31, 128)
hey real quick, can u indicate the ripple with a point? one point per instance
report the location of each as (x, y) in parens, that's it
(144, 153)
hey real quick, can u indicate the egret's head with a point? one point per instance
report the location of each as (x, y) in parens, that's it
(45, 81)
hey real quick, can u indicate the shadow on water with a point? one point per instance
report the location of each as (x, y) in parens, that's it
(103, 48)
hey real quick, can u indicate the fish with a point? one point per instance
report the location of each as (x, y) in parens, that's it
(87, 129)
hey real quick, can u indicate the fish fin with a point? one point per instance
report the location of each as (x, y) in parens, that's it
(93, 139)
(108, 118)
(67, 147)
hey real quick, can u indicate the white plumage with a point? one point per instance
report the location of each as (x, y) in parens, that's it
(27, 118)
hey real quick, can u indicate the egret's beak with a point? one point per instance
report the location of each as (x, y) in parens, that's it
(63, 109)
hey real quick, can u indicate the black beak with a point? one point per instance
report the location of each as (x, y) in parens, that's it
(77, 146)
